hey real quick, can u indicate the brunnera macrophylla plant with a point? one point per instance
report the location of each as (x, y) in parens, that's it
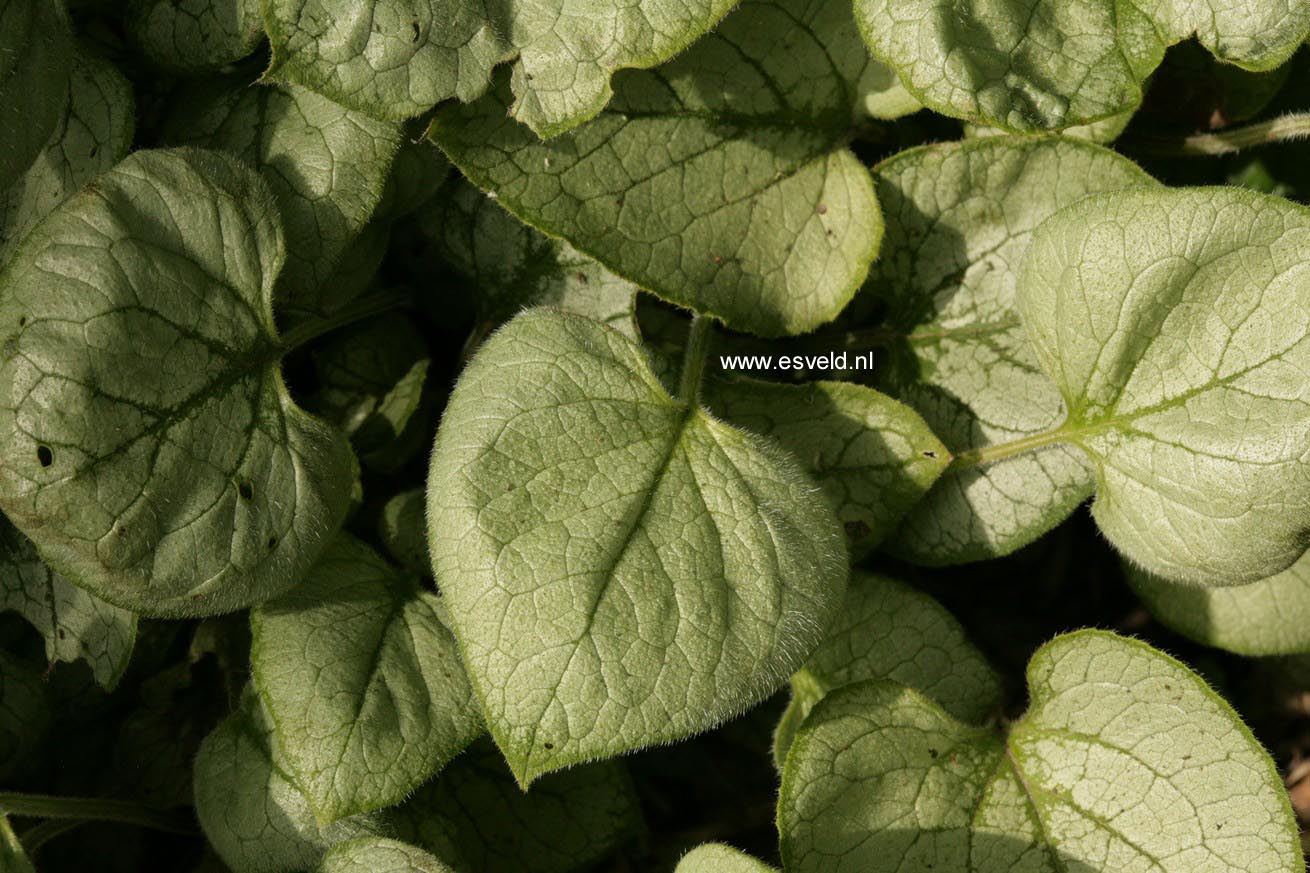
(467, 437)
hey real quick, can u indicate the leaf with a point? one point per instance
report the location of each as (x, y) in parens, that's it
(363, 682)
(888, 630)
(718, 858)
(371, 378)
(873, 457)
(1047, 64)
(250, 809)
(193, 36)
(1175, 324)
(720, 182)
(510, 266)
(37, 50)
(92, 133)
(379, 855)
(398, 58)
(621, 569)
(1125, 760)
(24, 716)
(475, 818)
(150, 448)
(403, 531)
(74, 623)
(326, 165)
(959, 218)
(1269, 617)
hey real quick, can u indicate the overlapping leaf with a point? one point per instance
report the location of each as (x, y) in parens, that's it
(1052, 64)
(36, 58)
(888, 630)
(397, 58)
(873, 457)
(1176, 325)
(1125, 760)
(720, 181)
(326, 165)
(1269, 617)
(363, 682)
(74, 623)
(151, 450)
(718, 858)
(960, 217)
(190, 36)
(92, 133)
(475, 817)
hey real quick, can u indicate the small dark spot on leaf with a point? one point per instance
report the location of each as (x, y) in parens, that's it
(932, 753)
(272, 542)
(582, 278)
(45, 456)
(95, 150)
(62, 633)
(550, 746)
(22, 322)
(246, 491)
(930, 454)
(418, 32)
(822, 209)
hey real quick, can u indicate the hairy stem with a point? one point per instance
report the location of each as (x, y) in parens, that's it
(357, 310)
(693, 359)
(989, 454)
(1285, 128)
(94, 809)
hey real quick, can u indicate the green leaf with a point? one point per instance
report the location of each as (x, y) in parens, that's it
(36, 58)
(403, 531)
(250, 809)
(379, 855)
(398, 58)
(873, 457)
(475, 818)
(75, 623)
(363, 682)
(92, 133)
(510, 266)
(721, 181)
(959, 218)
(326, 165)
(1125, 760)
(12, 857)
(718, 858)
(371, 379)
(621, 568)
(24, 716)
(888, 630)
(1269, 617)
(192, 36)
(1176, 325)
(1048, 64)
(150, 448)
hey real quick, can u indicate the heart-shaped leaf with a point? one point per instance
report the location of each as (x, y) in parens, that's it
(621, 568)
(362, 681)
(721, 181)
(151, 450)
(1125, 760)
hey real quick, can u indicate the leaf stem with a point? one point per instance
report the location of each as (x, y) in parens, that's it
(693, 359)
(1285, 128)
(94, 809)
(990, 454)
(37, 836)
(356, 310)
